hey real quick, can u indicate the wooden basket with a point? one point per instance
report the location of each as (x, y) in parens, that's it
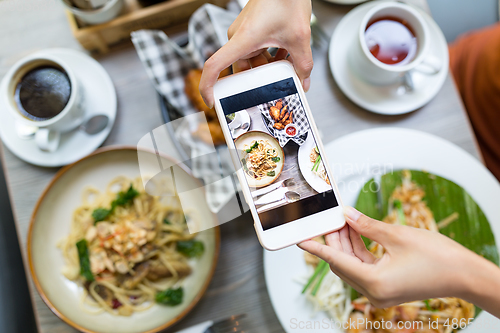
(99, 38)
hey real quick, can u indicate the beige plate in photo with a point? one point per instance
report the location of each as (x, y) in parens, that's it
(246, 140)
(51, 222)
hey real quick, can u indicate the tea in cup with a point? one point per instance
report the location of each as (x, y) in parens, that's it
(393, 39)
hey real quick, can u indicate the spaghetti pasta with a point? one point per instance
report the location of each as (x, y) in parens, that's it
(261, 160)
(135, 252)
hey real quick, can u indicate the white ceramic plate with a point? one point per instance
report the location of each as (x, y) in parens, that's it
(51, 222)
(99, 98)
(384, 99)
(241, 117)
(248, 139)
(305, 166)
(390, 149)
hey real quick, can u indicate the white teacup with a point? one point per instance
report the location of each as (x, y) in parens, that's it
(368, 67)
(49, 130)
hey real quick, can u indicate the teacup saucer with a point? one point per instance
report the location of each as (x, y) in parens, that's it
(384, 99)
(99, 98)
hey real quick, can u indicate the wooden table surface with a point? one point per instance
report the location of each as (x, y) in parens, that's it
(238, 285)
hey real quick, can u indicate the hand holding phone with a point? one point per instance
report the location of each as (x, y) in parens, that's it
(255, 28)
(287, 203)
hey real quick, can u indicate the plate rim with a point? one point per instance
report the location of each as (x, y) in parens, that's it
(48, 188)
(301, 147)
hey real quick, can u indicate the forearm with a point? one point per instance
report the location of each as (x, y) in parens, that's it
(481, 284)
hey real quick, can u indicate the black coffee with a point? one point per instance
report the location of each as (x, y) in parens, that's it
(43, 93)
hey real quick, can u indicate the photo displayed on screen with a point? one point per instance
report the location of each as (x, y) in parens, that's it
(278, 153)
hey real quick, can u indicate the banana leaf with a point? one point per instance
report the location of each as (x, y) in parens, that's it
(443, 197)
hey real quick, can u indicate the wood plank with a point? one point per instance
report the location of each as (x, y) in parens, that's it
(101, 37)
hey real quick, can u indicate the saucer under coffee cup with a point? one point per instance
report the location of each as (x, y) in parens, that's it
(401, 32)
(44, 93)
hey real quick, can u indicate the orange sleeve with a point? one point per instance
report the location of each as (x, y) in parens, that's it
(475, 64)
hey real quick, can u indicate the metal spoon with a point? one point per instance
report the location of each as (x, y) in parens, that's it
(290, 197)
(242, 126)
(92, 126)
(284, 183)
(279, 195)
(25, 132)
(95, 124)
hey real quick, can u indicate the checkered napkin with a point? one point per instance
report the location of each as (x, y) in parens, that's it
(166, 65)
(299, 119)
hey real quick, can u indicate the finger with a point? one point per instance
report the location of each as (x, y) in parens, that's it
(302, 60)
(348, 266)
(346, 279)
(350, 282)
(253, 54)
(375, 230)
(345, 240)
(241, 65)
(335, 269)
(359, 247)
(228, 54)
(258, 61)
(333, 240)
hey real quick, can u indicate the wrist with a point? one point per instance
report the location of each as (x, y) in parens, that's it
(468, 279)
(479, 283)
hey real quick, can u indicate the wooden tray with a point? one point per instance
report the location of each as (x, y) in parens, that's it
(99, 38)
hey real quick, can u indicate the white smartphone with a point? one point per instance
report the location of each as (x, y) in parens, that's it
(278, 155)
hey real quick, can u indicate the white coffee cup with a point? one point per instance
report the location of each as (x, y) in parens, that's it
(48, 134)
(97, 16)
(369, 68)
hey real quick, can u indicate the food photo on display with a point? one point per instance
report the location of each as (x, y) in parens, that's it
(140, 193)
(285, 173)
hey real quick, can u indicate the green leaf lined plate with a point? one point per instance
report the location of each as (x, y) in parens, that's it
(443, 197)
(359, 156)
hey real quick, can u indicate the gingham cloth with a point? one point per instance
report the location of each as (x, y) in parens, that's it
(298, 117)
(166, 65)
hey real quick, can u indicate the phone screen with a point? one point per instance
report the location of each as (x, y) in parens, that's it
(278, 153)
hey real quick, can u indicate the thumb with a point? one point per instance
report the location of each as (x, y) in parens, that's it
(228, 54)
(342, 264)
(302, 61)
(378, 231)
